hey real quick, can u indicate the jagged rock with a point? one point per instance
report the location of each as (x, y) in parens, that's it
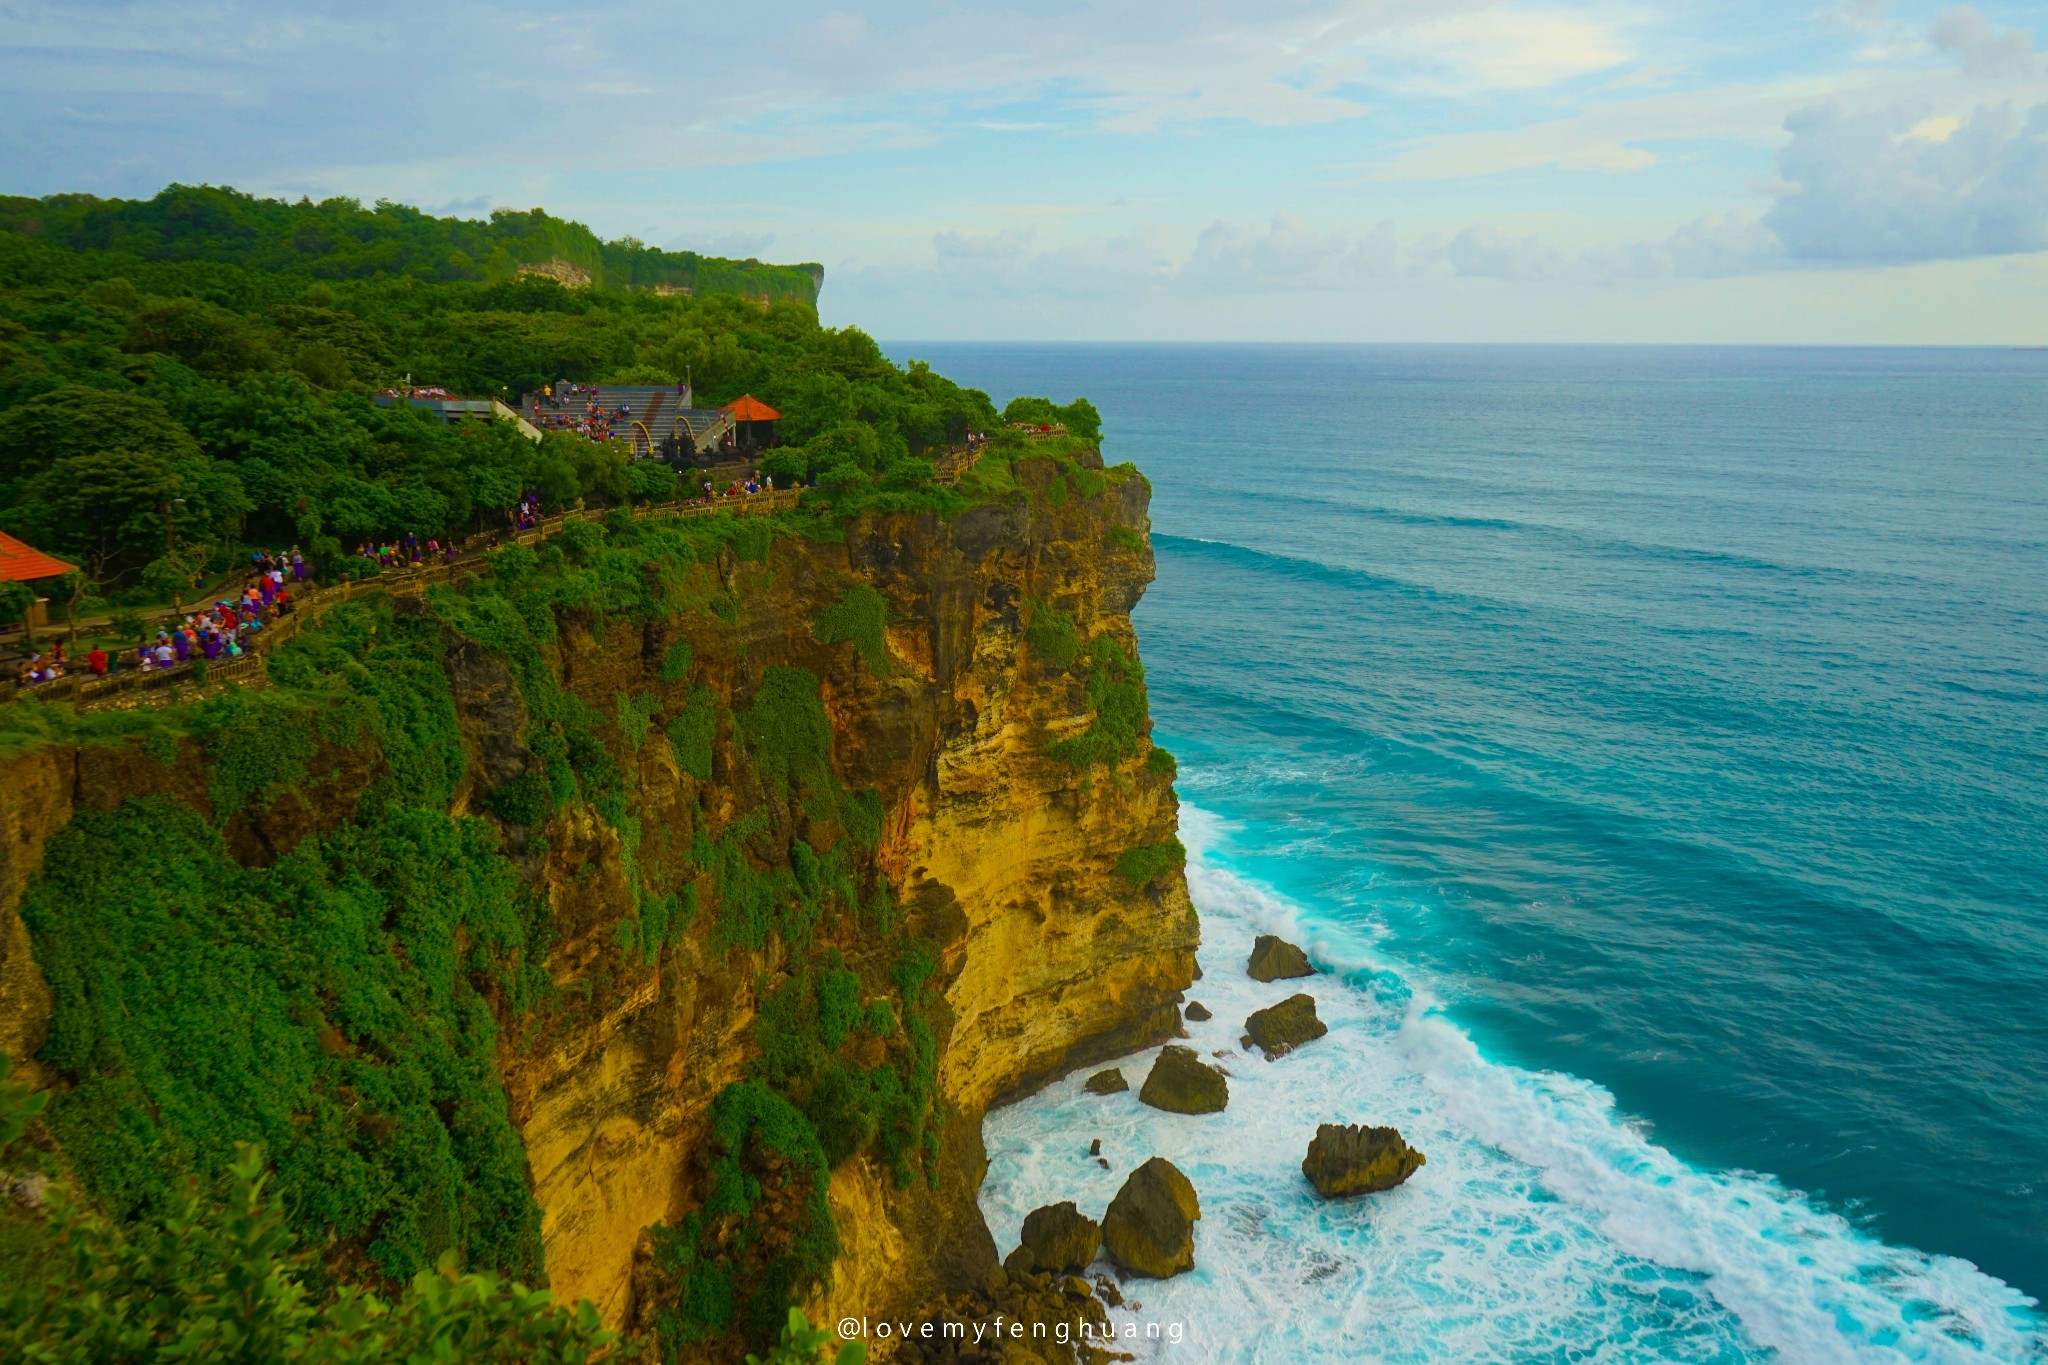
(1095, 1147)
(1060, 1239)
(1346, 1160)
(1103, 1162)
(1019, 1263)
(1198, 971)
(1182, 1083)
(1108, 1082)
(1279, 1029)
(1275, 959)
(1150, 1226)
(1198, 1012)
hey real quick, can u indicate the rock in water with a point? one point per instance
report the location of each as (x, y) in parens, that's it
(1108, 1082)
(1275, 959)
(1182, 1083)
(1279, 1029)
(1150, 1226)
(1358, 1160)
(1060, 1239)
(1197, 1011)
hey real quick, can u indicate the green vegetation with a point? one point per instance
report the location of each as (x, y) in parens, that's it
(1124, 538)
(1160, 763)
(321, 1005)
(690, 734)
(222, 1283)
(676, 661)
(1052, 634)
(1079, 417)
(339, 239)
(803, 1344)
(862, 617)
(1142, 865)
(747, 1280)
(1116, 693)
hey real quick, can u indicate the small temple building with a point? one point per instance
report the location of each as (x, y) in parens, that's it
(23, 563)
(753, 423)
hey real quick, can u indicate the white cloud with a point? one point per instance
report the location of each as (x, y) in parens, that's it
(1288, 255)
(980, 248)
(1484, 252)
(1614, 136)
(299, 85)
(1863, 187)
(1712, 246)
(1982, 50)
(1512, 49)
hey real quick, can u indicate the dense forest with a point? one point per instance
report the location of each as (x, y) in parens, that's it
(185, 376)
(339, 239)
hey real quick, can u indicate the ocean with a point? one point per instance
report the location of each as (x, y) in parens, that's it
(1651, 745)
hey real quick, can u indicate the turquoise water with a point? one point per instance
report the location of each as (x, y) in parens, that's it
(1654, 744)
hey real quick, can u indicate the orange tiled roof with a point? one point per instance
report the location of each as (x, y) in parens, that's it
(19, 562)
(752, 409)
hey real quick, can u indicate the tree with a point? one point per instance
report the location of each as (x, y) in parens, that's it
(207, 337)
(104, 507)
(76, 420)
(16, 601)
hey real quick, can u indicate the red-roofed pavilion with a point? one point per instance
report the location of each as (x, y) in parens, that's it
(748, 408)
(20, 563)
(753, 422)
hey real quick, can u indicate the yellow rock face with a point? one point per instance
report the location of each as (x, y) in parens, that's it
(998, 853)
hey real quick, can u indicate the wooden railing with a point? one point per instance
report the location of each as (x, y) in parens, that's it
(124, 689)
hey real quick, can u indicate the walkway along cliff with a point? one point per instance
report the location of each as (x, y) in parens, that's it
(724, 871)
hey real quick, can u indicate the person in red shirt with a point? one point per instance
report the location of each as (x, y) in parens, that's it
(97, 661)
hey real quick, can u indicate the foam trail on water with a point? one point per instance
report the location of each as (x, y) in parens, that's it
(1543, 1227)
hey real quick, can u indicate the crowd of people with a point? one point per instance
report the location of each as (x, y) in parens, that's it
(577, 408)
(738, 488)
(408, 551)
(226, 630)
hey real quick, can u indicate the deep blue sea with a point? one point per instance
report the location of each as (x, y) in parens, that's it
(1652, 745)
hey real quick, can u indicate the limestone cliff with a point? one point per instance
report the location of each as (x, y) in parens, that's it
(1001, 854)
(1052, 952)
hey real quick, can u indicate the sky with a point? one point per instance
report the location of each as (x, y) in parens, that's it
(1851, 171)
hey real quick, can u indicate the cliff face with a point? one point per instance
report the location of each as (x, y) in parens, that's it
(999, 853)
(995, 851)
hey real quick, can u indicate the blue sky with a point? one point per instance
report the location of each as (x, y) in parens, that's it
(1852, 171)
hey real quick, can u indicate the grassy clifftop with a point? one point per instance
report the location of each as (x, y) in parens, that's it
(339, 239)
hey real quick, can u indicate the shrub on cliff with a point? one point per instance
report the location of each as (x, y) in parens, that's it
(1142, 865)
(729, 1269)
(1052, 635)
(1116, 694)
(860, 616)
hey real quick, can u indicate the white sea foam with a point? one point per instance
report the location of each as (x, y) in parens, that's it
(1543, 1227)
